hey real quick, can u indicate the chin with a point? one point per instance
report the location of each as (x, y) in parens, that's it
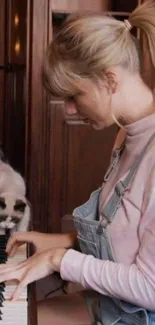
(98, 127)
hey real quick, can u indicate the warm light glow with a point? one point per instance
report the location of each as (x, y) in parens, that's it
(17, 47)
(16, 20)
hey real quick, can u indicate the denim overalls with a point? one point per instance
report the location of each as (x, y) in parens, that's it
(94, 240)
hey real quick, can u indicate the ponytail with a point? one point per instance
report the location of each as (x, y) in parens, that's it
(143, 17)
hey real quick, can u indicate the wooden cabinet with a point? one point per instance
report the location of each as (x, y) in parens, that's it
(13, 28)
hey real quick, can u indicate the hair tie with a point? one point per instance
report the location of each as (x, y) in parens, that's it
(127, 24)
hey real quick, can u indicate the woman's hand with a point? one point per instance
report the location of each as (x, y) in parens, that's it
(41, 241)
(34, 268)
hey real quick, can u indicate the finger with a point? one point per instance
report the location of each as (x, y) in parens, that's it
(7, 267)
(13, 250)
(15, 239)
(10, 275)
(12, 267)
(17, 292)
(13, 272)
(20, 287)
(20, 238)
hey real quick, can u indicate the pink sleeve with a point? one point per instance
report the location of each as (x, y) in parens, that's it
(134, 283)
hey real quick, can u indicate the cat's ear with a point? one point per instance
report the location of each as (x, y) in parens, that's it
(25, 220)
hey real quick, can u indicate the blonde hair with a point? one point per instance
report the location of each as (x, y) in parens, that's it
(88, 45)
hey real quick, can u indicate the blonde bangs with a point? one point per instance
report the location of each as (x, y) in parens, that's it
(58, 76)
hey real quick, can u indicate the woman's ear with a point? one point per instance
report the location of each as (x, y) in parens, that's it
(111, 82)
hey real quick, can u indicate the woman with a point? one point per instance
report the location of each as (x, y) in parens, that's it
(94, 65)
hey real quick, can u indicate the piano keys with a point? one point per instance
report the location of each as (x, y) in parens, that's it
(12, 313)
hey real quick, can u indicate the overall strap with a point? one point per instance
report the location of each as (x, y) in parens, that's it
(114, 202)
(117, 152)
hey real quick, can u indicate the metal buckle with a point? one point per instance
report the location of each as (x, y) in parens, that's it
(120, 189)
(104, 221)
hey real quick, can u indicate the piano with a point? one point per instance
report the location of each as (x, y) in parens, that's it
(23, 311)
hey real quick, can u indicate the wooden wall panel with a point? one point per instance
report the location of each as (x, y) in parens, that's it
(85, 161)
(2, 61)
(121, 5)
(37, 128)
(76, 5)
(56, 176)
(77, 162)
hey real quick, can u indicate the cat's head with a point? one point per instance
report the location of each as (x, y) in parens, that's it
(14, 212)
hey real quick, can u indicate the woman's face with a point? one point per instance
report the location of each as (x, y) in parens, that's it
(93, 105)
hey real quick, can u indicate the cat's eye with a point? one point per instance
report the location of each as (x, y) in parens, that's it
(20, 206)
(2, 203)
(15, 219)
(3, 218)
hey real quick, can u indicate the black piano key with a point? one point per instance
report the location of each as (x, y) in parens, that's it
(3, 259)
(1, 294)
(1, 300)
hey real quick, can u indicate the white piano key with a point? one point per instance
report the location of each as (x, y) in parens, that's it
(15, 313)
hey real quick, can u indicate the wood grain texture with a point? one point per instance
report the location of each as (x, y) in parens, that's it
(79, 157)
(14, 112)
(121, 5)
(80, 5)
(2, 61)
(37, 150)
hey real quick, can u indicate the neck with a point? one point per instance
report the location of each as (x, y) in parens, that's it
(139, 101)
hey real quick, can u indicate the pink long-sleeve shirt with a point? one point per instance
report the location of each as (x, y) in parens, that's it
(132, 232)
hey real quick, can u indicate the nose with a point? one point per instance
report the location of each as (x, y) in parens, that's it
(70, 108)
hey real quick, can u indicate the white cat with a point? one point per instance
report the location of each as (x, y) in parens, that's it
(14, 207)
